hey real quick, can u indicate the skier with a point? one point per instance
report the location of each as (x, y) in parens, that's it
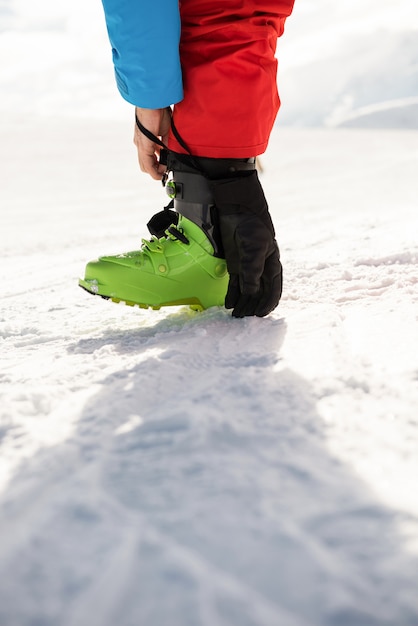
(202, 77)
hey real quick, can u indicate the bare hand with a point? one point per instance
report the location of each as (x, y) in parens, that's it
(158, 122)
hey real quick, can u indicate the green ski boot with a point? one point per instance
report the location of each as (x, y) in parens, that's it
(183, 263)
(177, 269)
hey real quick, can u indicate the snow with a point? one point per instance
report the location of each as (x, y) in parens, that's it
(354, 64)
(173, 468)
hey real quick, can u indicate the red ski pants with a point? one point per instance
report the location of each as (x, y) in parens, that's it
(227, 52)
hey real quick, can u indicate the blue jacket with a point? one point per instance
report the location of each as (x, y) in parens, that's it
(145, 35)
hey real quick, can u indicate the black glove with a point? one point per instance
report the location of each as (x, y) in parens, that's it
(251, 252)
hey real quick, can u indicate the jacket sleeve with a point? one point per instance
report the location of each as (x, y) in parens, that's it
(144, 35)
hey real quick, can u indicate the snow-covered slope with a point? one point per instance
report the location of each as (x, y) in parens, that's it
(341, 64)
(350, 64)
(173, 468)
(179, 469)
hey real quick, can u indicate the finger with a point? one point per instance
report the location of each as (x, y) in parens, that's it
(233, 292)
(147, 158)
(149, 165)
(271, 281)
(246, 305)
(157, 122)
(252, 247)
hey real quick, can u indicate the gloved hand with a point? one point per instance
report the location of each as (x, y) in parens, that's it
(251, 252)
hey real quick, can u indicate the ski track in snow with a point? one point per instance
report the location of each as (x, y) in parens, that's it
(172, 468)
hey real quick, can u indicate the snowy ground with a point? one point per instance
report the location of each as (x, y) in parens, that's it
(180, 469)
